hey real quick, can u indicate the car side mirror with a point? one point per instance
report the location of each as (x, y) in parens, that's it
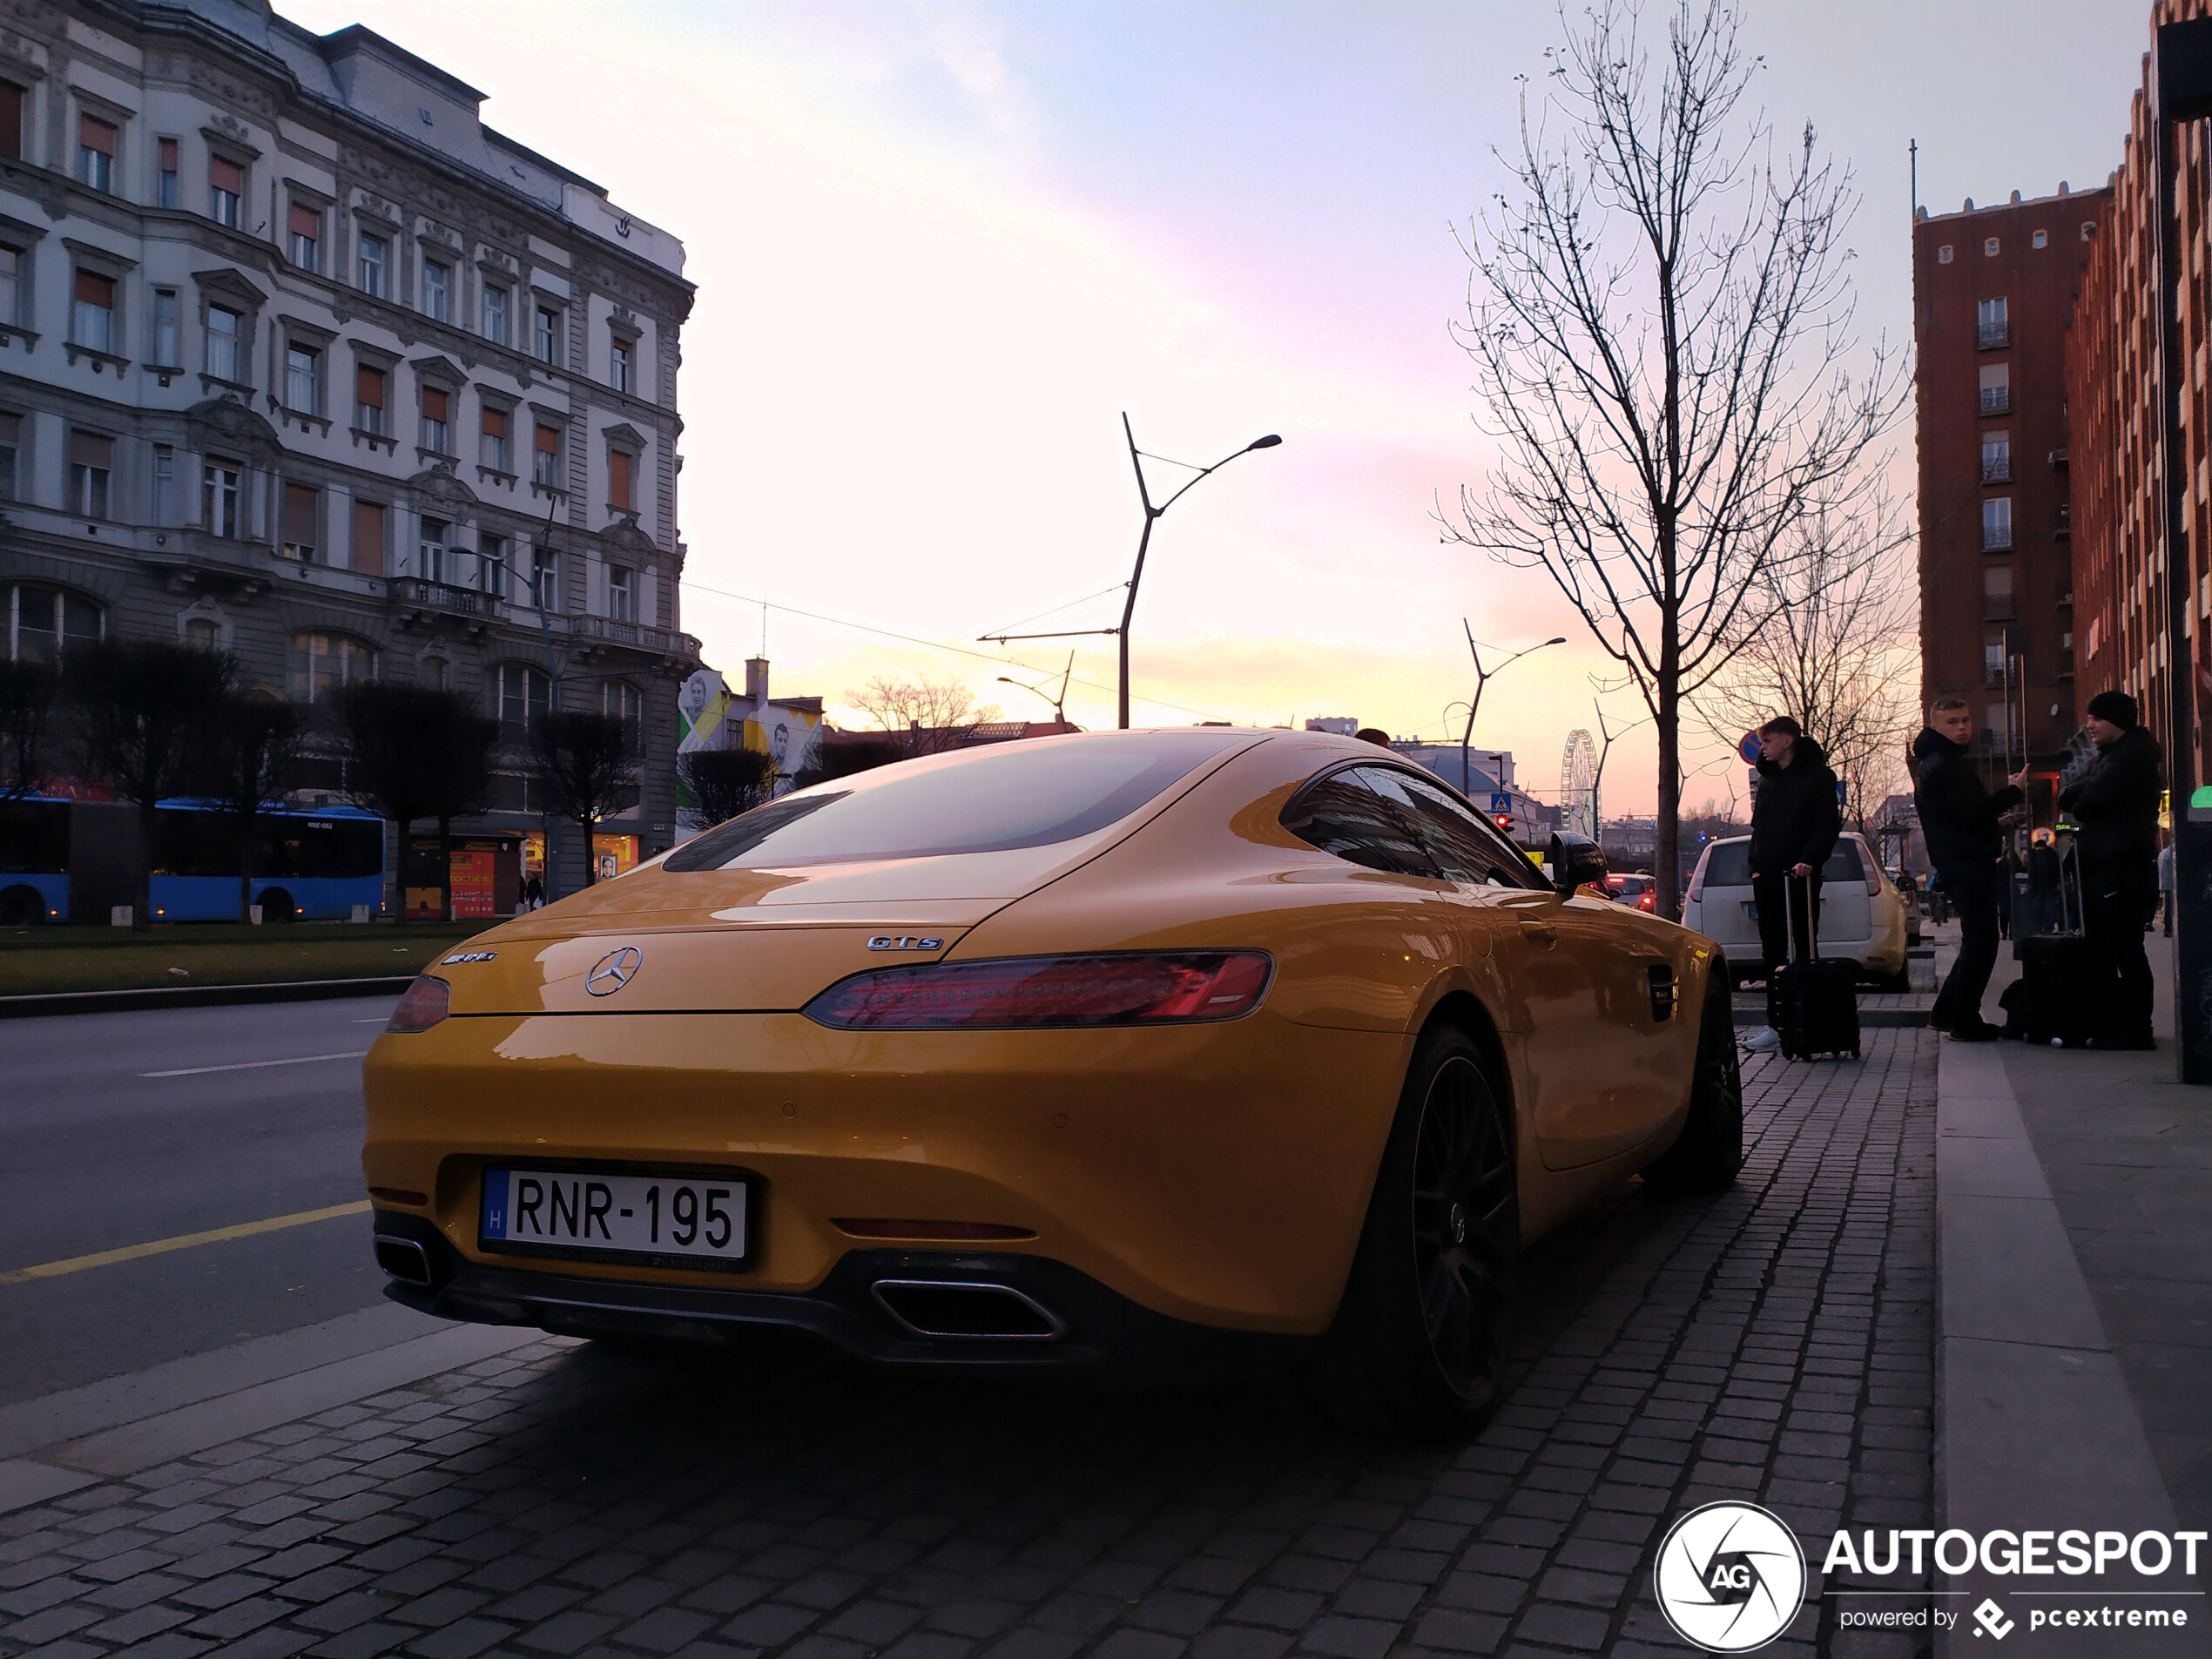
(1575, 861)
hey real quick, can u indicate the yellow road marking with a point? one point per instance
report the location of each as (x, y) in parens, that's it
(185, 1241)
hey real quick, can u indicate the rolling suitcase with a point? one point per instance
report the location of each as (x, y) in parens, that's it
(1813, 1003)
(2056, 1000)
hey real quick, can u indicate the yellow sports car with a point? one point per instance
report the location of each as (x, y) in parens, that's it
(1153, 1053)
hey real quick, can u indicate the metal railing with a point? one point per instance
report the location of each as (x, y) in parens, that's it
(1996, 469)
(1996, 539)
(1990, 336)
(441, 595)
(1996, 399)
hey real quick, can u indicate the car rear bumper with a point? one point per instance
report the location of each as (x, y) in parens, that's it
(896, 1308)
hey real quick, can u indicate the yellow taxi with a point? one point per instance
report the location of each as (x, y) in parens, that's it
(1151, 1053)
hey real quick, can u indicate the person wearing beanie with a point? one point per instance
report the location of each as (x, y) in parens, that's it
(1959, 817)
(2116, 807)
(1794, 821)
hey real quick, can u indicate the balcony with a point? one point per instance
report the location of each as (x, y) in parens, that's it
(2058, 459)
(1997, 538)
(2064, 528)
(1992, 674)
(666, 641)
(1996, 399)
(415, 597)
(1990, 336)
(1996, 469)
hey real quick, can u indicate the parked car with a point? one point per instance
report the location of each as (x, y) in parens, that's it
(1862, 914)
(1640, 890)
(1137, 1050)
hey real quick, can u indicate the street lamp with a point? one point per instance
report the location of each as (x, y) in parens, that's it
(1482, 678)
(1129, 609)
(1060, 702)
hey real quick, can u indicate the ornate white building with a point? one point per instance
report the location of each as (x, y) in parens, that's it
(299, 358)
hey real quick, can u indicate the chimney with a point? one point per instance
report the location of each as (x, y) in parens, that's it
(756, 679)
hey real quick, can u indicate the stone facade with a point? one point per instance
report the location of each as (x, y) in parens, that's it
(298, 359)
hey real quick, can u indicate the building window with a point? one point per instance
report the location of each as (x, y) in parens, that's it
(1990, 324)
(1997, 594)
(1996, 457)
(375, 257)
(367, 552)
(622, 594)
(302, 512)
(1997, 524)
(545, 340)
(166, 193)
(307, 237)
(302, 368)
(10, 436)
(431, 672)
(92, 462)
(1989, 248)
(491, 561)
(321, 664)
(436, 433)
(491, 442)
(368, 400)
(96, 153)
(2041, 238)
(202, 635)
(1996, 387)
(92, 322)
(2088, 228)
(42, 623)
(167, 323)
(437, 300)
(11, 121)
(223, 332)
(1992, 655)
(225, 186)
(543, 586)
(545, 460)
(1943, 254)
(521, 697)
(620, 464)
(431, 550)
(627, 705)
(165, 484)
(495, 315)
(618, 375)
(10, 286)
(218, 496)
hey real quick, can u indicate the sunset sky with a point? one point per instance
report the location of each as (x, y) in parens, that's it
(940, 248)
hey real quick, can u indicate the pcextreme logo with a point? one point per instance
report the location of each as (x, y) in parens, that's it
(1730, 1577)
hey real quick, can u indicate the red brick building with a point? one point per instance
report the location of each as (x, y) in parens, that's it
(1993, 289)
(2112, 379)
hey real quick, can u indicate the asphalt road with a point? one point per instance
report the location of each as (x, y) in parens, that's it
(96, 1155)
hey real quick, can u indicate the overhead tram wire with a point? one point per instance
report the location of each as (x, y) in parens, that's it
(915, 639)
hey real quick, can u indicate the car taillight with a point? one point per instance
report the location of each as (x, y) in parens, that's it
(1697, 880)
(1649, 902)
(1873, 880)
(1014, 993)
(425, 1004)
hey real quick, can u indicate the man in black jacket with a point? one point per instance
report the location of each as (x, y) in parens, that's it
(1959, 818)
(2116, 806)
(1794, 821)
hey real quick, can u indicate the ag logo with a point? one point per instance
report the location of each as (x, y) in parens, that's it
(1730, 1577)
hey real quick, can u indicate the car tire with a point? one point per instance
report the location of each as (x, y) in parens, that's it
(1709, 1150)
(1897, 984)
(1419, 1346)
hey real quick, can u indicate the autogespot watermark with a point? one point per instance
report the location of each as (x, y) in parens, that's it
(1731, 1577)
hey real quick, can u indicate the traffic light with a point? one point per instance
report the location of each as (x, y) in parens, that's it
(1504, 820)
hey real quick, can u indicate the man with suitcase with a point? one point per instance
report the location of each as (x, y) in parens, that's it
(1796, 818)
(1959, 818)
(2116, 806)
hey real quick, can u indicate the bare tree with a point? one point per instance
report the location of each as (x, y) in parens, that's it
(1834, 648)
(416, 751)
(28, 691)
(140, 705)
(1661, 322)
(1608, 735)
(924, 715)
(725, 782)
(251, 743)
(588, 764)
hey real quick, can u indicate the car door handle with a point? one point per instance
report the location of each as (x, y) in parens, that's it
(1541, 930)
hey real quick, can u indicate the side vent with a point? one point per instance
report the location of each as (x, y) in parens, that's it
(1665, 993)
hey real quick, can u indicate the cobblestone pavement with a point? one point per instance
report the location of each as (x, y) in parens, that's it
(1771, 1342)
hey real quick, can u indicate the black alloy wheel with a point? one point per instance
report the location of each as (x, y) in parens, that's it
(1709, 1150)
(1421, 1342)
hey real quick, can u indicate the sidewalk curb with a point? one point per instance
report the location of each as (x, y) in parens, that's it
(2034, 1426)
(199, 996)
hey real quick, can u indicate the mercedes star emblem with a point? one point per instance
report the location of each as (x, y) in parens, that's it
(611, 972)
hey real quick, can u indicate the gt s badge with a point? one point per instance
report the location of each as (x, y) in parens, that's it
(905, 942)
(613, 971)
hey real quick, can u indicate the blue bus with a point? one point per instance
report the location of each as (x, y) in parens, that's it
(71, 861)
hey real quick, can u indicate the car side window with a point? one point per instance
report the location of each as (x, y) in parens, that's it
(1341, 815)
(1461, 845)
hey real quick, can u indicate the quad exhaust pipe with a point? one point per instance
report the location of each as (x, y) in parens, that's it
(404, 1260)
(964, 1309)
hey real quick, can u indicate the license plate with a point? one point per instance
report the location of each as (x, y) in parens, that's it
(651, 1218)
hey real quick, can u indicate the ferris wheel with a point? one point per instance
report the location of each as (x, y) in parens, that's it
(1578, 786)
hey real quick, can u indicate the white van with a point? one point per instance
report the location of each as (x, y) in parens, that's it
(1862, 914)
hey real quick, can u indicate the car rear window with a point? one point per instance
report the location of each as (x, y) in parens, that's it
(1728, 865)
(1025, 793)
